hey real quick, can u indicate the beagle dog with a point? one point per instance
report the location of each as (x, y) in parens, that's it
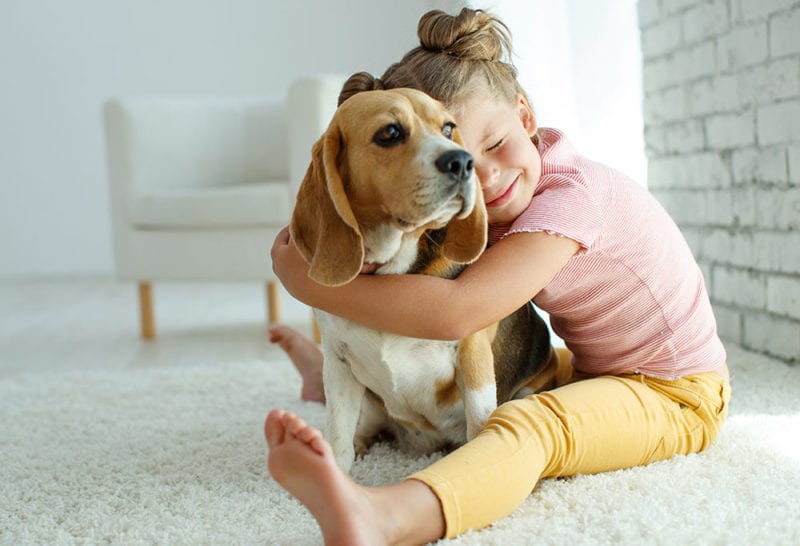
(391, 190)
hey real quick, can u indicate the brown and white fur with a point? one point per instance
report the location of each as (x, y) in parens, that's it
(389, 185)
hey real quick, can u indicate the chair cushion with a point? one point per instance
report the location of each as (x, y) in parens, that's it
(232, 206)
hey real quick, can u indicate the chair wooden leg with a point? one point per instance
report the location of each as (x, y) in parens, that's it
(315, 329)
(273, 302)
(146, 315)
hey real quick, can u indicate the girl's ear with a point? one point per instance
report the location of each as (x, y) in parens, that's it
(526, 115)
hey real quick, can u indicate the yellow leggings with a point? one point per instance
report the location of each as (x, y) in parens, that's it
(587, 426)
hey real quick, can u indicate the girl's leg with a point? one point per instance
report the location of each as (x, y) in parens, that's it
(302, 462)
(306, 357)
(589, 426)
(593, 425)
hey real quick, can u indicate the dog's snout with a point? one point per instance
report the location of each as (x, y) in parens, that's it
(457, 164)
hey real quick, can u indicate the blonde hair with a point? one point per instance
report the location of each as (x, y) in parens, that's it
(459, 57)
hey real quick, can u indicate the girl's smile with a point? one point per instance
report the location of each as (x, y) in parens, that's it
(505, 196)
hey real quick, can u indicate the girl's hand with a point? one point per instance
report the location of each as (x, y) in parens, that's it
(289, 265)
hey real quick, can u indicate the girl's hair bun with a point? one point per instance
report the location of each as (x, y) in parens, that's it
(358, 82)
(471, 35)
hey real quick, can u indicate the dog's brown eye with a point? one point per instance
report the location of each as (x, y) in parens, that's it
(389, 135)
(447, 130)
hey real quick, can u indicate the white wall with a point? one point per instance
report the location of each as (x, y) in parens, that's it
(580, 63)
(722, 114)
(60, 60)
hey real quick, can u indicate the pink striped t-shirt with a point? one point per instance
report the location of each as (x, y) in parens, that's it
(633, 298)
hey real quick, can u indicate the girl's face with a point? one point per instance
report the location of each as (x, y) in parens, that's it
(498, 135)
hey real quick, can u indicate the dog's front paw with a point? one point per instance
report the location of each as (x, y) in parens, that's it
(342, 447)
(345, 458)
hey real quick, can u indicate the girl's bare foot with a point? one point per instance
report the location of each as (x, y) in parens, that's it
(307, 358)
(302, 461)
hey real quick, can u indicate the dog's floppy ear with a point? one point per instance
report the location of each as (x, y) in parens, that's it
(466, 238)
(323, 225)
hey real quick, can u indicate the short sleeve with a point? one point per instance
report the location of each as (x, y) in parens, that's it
(563, 205)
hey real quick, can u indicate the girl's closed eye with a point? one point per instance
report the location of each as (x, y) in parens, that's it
(496, 145)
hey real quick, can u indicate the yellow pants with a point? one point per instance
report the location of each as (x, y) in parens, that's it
(587, 426)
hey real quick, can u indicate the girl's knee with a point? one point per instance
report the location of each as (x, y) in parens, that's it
(527, 414)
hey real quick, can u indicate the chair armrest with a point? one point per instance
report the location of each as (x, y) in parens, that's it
(311, 103)
(118, 159)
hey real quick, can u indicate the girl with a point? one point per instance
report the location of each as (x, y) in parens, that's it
(589, 246)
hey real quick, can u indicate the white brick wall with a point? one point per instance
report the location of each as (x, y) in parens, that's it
(722, 129)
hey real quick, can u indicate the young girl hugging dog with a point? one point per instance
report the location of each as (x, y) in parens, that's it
(587, 245)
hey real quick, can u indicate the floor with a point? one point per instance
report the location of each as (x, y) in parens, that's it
(80, 323)
(112, 477)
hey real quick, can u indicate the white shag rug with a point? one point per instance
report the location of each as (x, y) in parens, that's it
(177, 456)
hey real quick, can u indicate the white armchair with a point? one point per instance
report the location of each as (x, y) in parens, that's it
(201, 186)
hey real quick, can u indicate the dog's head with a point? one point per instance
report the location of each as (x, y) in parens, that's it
(391, 162)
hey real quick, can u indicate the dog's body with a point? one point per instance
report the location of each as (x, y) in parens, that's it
(378, 382)
(389, 187)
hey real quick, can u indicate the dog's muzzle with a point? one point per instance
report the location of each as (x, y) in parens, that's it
(459, 166)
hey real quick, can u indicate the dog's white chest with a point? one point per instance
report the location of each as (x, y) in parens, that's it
(407, 374)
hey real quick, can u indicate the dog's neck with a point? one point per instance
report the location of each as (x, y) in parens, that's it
(388, 250)
(391, 251)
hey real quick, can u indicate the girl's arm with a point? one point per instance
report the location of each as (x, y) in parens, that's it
(506, 276)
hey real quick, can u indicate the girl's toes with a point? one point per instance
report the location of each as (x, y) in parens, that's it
(274, 431)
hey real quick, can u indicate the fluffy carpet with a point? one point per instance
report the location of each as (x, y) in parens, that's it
(177, 456)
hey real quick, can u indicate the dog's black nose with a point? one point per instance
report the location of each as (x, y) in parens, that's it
(457, 164)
